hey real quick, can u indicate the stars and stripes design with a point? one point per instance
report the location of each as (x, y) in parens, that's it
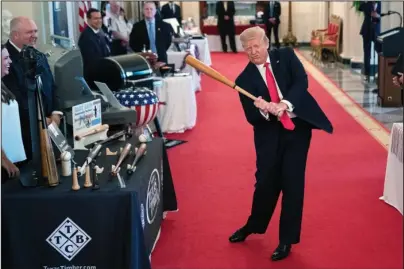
(144, 101)
(84, 6)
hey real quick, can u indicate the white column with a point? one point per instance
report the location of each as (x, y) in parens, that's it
(356, 42)
(346, 40)
(352, 48)
(322, 14)
(191, 10)
(306, 16)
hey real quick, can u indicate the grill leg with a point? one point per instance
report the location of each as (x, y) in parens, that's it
(158, 128)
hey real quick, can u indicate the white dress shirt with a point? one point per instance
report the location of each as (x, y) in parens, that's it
(118, 24)
(17, 48)
(95, 31)
(225, 5)
(262, 69)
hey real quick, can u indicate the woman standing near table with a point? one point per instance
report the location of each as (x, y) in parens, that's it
(12, 151)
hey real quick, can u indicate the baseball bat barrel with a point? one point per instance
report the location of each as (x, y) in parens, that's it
(93, 131)
(122, 156)
(200, 66)
(139, 153)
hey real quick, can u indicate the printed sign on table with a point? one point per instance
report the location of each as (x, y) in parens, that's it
(86, 116)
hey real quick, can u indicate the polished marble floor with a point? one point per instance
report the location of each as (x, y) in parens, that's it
(352, 83)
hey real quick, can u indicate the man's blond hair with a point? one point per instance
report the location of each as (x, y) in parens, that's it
(255, 32)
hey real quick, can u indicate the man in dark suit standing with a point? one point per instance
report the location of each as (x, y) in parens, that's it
(272, 13)
(157, 16)
(225, 12)
(283, 119)
(151, 34)
(93, 45)
(24, 32)
(171, 10)
(369, 31)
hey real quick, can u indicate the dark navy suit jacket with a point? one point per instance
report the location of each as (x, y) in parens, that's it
(370, 26)
(16, 83)
(93, 47)
(293, 83)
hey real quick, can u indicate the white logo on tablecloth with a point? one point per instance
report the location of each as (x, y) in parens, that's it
(142, 215)
(153, 196)
(68, 239)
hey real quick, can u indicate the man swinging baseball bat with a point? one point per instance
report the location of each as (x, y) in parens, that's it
(283, 116)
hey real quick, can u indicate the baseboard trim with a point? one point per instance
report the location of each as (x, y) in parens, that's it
(304, 44)
(345, 61)
(299, 44)
(356, 65)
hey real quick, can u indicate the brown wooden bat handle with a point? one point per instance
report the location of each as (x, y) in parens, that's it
(244, 92)
(44, 161)
(75, 185)
(94, 131)
(87, 181)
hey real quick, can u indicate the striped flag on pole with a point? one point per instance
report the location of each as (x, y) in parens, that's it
(84, 6)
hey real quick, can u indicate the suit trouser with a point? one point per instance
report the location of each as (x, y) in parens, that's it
(275, 27)
(367, 49)
(281, 169)
(228, 30)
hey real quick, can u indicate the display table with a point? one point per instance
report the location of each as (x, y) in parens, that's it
(106, 228)
(204, 51)
(212, 34)
(177, 58)
(393, 183)
(179, 112)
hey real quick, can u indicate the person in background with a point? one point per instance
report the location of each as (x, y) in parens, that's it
(369, 30)
(12, 150)
(151, 33)
(128, 23)
(119, 30)
(225, 12)
(24, 32)
(93, 45)
(171, 10)
(157, 16)
(282, 119)
(272, 13)
(106, 22)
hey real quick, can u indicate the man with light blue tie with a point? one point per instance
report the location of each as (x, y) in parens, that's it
(151, 33)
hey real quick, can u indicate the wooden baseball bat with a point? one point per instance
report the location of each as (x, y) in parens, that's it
(200, 66)
(139, 154)
(122, 156)
(94, 131)
(49, 169)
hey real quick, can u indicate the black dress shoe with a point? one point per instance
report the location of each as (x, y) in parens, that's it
(239, 236)
(281, 252)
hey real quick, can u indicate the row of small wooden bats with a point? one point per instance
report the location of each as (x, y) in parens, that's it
(125, 152)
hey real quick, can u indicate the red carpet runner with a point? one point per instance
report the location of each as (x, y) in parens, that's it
(345, 225)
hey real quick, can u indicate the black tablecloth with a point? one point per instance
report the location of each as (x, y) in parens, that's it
(106, 228)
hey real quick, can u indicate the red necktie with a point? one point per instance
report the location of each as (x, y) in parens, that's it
(273, 93)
